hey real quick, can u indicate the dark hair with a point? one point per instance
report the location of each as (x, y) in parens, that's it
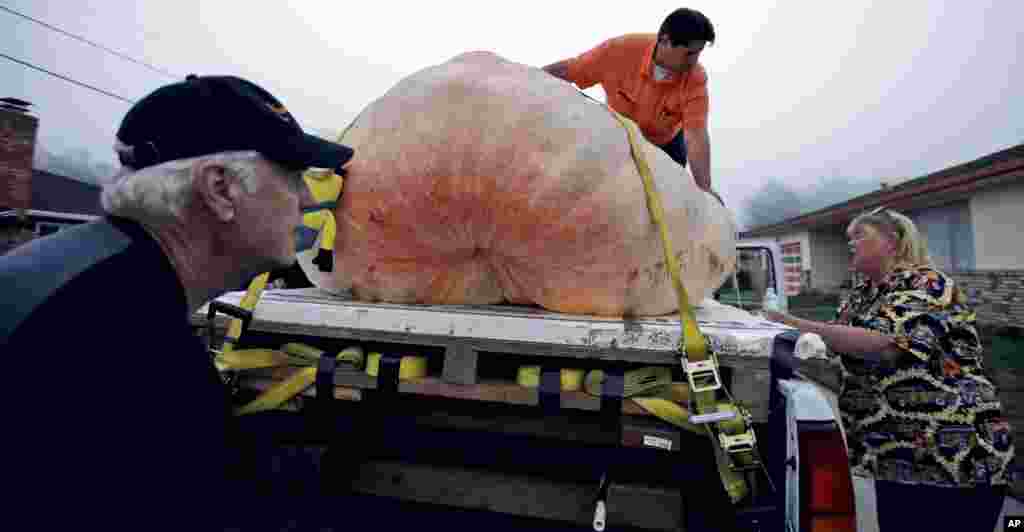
(684, 25)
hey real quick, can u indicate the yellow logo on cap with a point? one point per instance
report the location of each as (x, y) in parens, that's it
(280, 111)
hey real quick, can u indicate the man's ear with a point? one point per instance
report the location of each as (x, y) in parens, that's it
(217, 189)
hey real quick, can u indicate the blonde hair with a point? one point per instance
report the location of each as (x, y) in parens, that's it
(911, 245)
(159, 194)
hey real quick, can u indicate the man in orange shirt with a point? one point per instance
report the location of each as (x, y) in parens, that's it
(656, 81)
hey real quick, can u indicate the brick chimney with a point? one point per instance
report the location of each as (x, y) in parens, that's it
(17, 147)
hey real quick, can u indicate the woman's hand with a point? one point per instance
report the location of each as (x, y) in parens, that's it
(858, 342)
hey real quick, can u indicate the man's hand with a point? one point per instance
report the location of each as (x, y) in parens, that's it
(698, 151)
(717, 197)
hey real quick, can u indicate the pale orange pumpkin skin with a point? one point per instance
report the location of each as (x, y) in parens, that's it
(484, 181)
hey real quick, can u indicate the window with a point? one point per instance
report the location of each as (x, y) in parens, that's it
(755, 273)
(949, 234)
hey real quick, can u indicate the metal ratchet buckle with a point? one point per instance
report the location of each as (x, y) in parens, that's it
(741, 450)
(702, 376)
(713, 417)
(231, 381)
(231, 310)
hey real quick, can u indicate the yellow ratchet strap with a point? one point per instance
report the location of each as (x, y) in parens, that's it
(293, 355)
(410, 367)
(734, 451)
(305, 357)
(325, 186)
(248, 303)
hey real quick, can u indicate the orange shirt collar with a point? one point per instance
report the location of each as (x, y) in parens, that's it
(647, 64)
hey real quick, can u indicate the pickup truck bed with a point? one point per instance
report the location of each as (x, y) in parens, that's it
(471, 340)
(468, 437)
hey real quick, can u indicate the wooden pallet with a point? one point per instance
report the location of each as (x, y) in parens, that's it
(349, 386)
(749, 386)
(470, 338)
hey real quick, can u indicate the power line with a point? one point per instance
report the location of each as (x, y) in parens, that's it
(79, 83)
(91, 43)
(65, 78)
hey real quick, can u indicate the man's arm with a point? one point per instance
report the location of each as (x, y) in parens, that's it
(698, 149)
(559, 70)
(588, 69)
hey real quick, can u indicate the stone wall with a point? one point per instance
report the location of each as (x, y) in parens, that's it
(996, 295)
(1010, 383)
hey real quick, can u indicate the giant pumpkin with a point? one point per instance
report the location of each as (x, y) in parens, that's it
(485, 181)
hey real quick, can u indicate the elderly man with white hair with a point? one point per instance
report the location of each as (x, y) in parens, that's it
(114, 395)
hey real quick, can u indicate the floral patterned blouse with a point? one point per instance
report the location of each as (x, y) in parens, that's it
(932, 416)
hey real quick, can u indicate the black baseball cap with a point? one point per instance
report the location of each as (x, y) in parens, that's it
(210, 114)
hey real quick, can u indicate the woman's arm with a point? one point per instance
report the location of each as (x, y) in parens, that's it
(857, 342)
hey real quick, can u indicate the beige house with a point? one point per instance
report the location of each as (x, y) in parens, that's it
(971, 214)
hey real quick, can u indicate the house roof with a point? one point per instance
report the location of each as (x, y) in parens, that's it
(56, 193)
(936, 188)
(48, 216)
(10, 216)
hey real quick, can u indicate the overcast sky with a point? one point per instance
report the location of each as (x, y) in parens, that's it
(873, 90)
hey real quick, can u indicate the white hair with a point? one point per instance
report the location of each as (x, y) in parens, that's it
(160, 194)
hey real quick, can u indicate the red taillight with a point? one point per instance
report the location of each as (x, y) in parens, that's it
(826, 489)
(833, 523)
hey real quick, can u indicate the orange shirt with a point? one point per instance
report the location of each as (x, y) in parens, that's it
(623, 68)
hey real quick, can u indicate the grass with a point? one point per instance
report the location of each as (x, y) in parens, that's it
(1004, 351)
(816, 313)
(813, 299)
(746, 298)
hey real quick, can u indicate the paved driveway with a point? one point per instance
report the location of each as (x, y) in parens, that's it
(867, 520)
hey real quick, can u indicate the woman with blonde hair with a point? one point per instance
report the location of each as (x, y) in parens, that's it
(921, 416)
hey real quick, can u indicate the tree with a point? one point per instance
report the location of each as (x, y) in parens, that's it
(772, 203)
(775, 202)
(76, 164)
(832, 190)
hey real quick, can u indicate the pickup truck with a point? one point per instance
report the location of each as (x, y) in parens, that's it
(466, 436)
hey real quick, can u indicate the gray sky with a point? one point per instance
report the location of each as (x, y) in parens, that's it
(800, 90)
